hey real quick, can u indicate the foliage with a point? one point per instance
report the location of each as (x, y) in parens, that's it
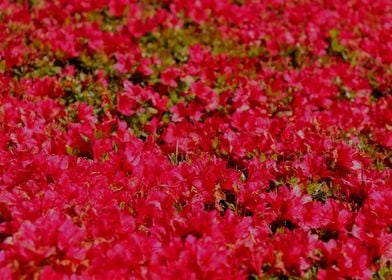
(195, 139)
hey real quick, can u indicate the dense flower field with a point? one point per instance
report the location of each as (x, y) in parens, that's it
(200, 139)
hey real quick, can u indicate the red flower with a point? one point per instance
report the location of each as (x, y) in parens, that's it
(169, 76)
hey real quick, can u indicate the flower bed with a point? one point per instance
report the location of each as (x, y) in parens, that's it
(195, 139)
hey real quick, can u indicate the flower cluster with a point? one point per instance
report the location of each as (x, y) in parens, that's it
(202, 139)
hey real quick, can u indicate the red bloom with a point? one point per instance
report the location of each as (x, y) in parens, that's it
(169, 76)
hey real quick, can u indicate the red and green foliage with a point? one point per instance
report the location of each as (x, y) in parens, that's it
(195, 139)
